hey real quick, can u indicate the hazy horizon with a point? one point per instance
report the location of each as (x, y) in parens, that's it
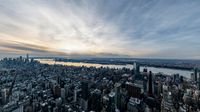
(157, 29)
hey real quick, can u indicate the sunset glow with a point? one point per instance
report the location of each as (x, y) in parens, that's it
(129, 28)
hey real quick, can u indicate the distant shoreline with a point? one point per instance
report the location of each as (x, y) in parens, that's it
(156, 66)
(116, 63)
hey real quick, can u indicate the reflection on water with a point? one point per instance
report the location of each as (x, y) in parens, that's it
(168, 71)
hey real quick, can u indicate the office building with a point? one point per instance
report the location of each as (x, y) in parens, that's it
(136, 68)
(111, 103)
(132, 89)
(27, 57)
(198, 82)
(132, 105)
(192, 77)
(167, 103)
(63, 94)
(75, 94)
(56, 91)
(67, 88)
(150, 84)
(84, 90)
(84, 95)
(195, 73)
(117, 95)
(95, 101)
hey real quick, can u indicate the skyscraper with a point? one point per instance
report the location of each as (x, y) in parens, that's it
(111, 103)
(136, 68)
(95, 100)
(150, 83)
(84, 90)
(5, 95)
(27, 57)
(145, 79)
(195, 73)
(66, 86)
(192, 77)
(145, 70)
(117, 95)
(199, 82)
(20, 58)
(75, 94)
(84, 95)
(63, 94)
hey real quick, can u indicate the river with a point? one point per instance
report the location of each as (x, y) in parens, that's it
(168, 71)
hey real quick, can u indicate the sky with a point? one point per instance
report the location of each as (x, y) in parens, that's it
(100, 28)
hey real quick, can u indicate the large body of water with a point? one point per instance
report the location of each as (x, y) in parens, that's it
(167, 71)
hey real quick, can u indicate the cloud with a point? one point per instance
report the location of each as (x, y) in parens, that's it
(135, 28)
(22, 48)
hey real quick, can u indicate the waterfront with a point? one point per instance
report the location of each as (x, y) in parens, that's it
(168, 71)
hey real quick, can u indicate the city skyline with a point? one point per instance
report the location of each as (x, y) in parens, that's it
(128, 28)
